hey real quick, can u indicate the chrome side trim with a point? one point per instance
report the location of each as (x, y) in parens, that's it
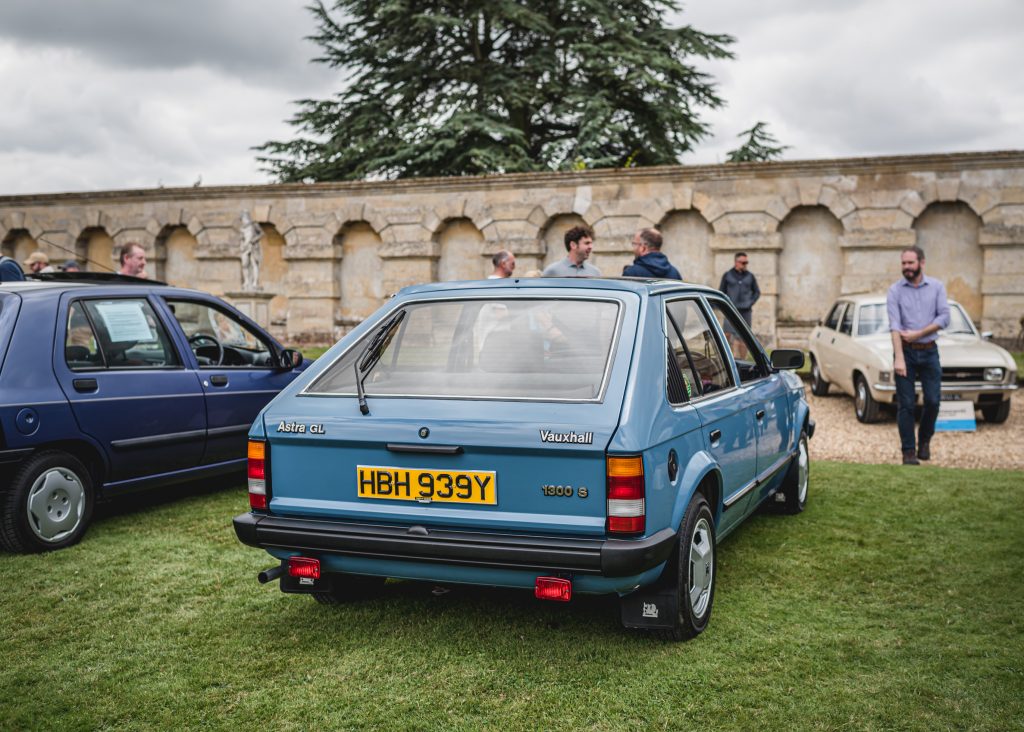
(767, 475)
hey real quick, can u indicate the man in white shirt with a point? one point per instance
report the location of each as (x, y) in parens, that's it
(504, 265)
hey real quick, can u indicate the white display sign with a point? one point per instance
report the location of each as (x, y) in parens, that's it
(956, 417)
(125, 321)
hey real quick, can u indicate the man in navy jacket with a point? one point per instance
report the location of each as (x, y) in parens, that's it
(650, 262)
(10, 270)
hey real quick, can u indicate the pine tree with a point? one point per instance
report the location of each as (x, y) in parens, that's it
(437, 87)
(759, 146)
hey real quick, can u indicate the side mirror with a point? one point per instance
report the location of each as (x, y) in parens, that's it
(786, 359)
(986, 335)
(289, 359)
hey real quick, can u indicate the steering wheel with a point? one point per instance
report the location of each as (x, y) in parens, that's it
(199, 339)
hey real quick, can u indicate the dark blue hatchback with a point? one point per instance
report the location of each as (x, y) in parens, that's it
(110, 384)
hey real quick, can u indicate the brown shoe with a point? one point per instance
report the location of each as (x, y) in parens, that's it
(924, 451)
(909, 458)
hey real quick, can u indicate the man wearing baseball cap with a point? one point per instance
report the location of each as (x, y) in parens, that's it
(38, 262)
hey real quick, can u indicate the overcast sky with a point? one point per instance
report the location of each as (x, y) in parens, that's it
(108, 94)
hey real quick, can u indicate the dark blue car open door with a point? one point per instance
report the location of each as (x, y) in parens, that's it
(128, 385)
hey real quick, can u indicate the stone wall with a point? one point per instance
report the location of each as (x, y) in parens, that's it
(333, 252)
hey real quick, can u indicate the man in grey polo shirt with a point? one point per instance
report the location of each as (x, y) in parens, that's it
(918, 310)
(579, 243)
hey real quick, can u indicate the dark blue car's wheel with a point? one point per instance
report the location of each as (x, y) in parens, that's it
(47, 505)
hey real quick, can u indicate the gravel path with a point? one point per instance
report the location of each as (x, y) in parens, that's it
(839, 436)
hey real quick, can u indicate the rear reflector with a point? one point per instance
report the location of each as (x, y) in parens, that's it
(304, 567)
(626, 506)
(553, 588)
(257, 470)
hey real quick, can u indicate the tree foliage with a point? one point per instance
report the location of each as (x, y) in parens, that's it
(438, 87)
(759, 146)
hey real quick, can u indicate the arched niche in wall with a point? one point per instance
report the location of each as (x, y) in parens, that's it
(97, 250)
(810, 264)
(273, 272)
(554, 238)
(460, 242)
(948, 234)
(686, 241)
(180, 266)
(362, 291)
(18, 244)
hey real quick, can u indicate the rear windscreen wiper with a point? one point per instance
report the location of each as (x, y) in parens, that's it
(372, 353)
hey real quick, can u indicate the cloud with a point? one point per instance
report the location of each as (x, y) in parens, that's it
(262, 40)
(111, 94)
(837, 79)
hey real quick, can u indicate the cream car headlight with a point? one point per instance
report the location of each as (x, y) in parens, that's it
(885, 376)
(994, 374)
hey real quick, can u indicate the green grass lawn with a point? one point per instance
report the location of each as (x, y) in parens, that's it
(896, 601)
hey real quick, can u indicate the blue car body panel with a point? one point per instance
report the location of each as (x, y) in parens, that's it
(315, 508)
(134, 428)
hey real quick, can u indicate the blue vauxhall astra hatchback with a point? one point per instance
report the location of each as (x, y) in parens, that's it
(561, 435)
(109, 384)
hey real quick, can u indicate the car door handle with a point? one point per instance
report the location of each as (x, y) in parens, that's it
(833, 340)
(219, 380)
(715, 435)
(85, 385)
(759, 414)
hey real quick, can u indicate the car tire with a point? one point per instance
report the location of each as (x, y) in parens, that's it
(791, 498)
(48, 504)
(998, 413)
(349, 587)
(863, 403)
(695, 566)
(819, 387)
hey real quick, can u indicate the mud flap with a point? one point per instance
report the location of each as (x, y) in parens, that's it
(654, 608)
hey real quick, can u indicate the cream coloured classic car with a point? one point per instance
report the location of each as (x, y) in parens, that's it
(852, 348)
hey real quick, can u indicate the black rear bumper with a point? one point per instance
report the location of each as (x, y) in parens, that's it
(605, 557)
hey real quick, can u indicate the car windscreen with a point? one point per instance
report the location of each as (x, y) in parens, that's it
(550, 349)
(959, 322)
(875, 319)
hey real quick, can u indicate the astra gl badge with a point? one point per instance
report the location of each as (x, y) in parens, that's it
(301, 429)
(575, 438)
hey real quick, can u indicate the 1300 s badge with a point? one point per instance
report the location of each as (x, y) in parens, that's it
(564, 490)
(301, 429)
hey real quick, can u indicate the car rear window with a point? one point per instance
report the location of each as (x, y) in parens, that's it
(542, 349)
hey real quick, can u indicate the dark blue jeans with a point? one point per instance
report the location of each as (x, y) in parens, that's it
(923, 366)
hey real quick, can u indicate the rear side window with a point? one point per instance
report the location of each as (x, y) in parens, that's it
(697, 353)
(121, 333)
(543, 349)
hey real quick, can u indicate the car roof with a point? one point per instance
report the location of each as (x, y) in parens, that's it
(640, 285)
(44, 287)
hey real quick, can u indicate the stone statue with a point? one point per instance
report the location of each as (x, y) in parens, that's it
(252, 253)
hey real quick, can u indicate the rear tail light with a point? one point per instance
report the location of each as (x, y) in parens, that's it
(626, 509)
(304, 567)
(553, 588)
(257, 474)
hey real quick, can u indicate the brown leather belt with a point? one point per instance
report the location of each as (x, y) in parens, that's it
(919, 346)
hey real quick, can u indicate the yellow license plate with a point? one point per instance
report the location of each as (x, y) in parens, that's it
(427, 486)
